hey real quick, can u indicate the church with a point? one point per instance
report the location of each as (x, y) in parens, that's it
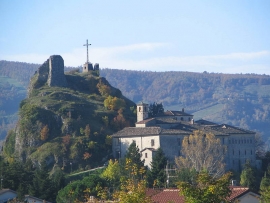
(167, 130)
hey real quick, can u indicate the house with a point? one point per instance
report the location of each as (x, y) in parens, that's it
(167, 130)
(243, 195)
(31, 199)
(6, 195)
(239, 194)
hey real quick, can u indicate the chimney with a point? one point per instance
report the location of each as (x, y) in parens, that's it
(233, 182)
(183, 110)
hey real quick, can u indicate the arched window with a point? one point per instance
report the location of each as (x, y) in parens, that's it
(140, 109)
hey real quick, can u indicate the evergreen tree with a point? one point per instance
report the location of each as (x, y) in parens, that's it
(265, 187)
(155, 109)
(157, 175)
(42, 186)
(248, 177)
(134, 155)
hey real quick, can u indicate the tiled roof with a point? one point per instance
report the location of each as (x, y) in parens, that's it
(2, 191)
(145, 121)
(176, 113)
(151, 149)
(138, 131)
(172, 195)
(168, 195)
(224, 128)
(237, 191)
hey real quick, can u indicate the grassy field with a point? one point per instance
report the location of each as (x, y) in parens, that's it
(4, 79)
(208, 111)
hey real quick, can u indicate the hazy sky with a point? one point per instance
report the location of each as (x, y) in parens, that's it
(228, 36)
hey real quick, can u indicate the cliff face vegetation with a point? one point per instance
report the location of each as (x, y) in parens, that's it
(69, 125)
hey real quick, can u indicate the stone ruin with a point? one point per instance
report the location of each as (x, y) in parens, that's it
(89, 67)
(52, 72)
(56, 72)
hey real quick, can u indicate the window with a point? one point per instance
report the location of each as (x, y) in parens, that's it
(145, 155)
(182, 118)
(239, 152)
(139, 109)
(152, 142)
(118, 141)
(233, 152)
(229, 141)
(222, 140)
(251, 152)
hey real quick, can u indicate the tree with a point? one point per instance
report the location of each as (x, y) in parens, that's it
(42, 186)
(44, 133)
(112, 173)
(202, 152)
(155, 109)
(134, 155)
(87, 130)
(132, 189)
(157, 175)
(206, 189)
(265, 187)
(248, 177)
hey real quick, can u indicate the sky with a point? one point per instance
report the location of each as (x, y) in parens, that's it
(224, 36)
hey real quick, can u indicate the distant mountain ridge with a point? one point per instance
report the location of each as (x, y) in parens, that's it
(237, 99)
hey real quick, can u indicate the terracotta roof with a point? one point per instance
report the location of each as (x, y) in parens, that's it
(172, 195)
(168, 195)
(238, 191)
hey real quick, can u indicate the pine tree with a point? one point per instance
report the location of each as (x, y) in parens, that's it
(134, 155)
(42, 186)
(265, 187)
(247, 177)
(157, 175)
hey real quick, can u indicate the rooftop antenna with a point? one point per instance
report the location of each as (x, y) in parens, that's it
(87, 49)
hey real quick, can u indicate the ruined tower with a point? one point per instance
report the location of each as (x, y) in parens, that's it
(56, 72)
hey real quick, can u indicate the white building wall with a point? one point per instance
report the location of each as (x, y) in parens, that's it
(249, 198)
(147, 156)
(122, 144)
(241, 148)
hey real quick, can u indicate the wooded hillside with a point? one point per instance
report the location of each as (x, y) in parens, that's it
(238, 99)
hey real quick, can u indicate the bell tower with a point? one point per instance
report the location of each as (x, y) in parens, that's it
(142, 111)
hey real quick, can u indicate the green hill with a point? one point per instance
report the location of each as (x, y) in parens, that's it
(237, 99)
(71, 124)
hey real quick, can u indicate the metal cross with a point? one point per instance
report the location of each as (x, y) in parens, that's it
(87, 49)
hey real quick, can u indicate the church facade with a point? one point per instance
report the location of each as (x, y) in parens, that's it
(167, 131)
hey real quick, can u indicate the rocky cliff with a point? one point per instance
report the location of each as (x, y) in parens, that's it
(67, 118)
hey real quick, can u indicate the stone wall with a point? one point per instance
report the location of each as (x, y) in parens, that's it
(56, 72)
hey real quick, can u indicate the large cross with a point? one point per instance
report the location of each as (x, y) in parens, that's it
(87, 49)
